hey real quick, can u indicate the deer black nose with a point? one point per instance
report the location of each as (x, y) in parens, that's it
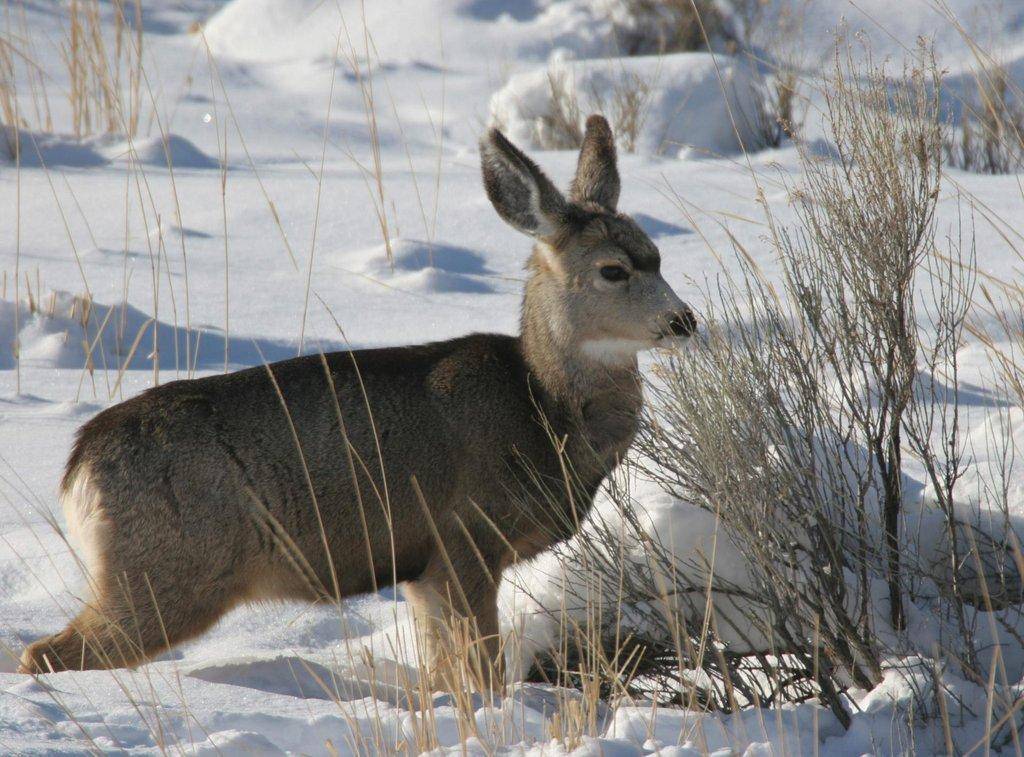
(682, 323)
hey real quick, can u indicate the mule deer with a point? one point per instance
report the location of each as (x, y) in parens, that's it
(331, 475)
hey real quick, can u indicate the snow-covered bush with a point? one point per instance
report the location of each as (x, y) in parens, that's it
(684, 104)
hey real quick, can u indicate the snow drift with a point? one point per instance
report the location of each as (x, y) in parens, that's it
(419, 266)
(158, 151)
(71, 331)
(40, 150)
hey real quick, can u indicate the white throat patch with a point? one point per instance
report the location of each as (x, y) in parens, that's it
(612, 351)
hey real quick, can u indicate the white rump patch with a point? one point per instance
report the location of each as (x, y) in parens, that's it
(613, 350)
(86, 524)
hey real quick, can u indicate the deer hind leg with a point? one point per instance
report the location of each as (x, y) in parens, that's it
(457, 622)
(147, 595)
(89, 641)
(128, 622)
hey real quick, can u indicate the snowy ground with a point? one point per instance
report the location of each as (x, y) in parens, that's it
(199, 252)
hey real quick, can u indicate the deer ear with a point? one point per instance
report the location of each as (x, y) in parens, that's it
(597, 177)
(523, 196)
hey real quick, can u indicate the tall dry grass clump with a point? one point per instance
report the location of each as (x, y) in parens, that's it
(105, 77)
(990, 136)
(105, 73)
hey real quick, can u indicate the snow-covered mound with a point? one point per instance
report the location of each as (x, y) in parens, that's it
(419, 267)
(70, 331)
(40, 149)
(283, 30)
(158, 151)
(269, 29)
(56, 150)
(688, 104)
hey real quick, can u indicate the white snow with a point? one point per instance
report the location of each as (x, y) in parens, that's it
(187, 273)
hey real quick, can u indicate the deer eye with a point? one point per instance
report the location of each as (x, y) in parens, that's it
(614, 273)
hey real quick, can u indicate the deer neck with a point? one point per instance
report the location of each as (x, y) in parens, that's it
(600, 393)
